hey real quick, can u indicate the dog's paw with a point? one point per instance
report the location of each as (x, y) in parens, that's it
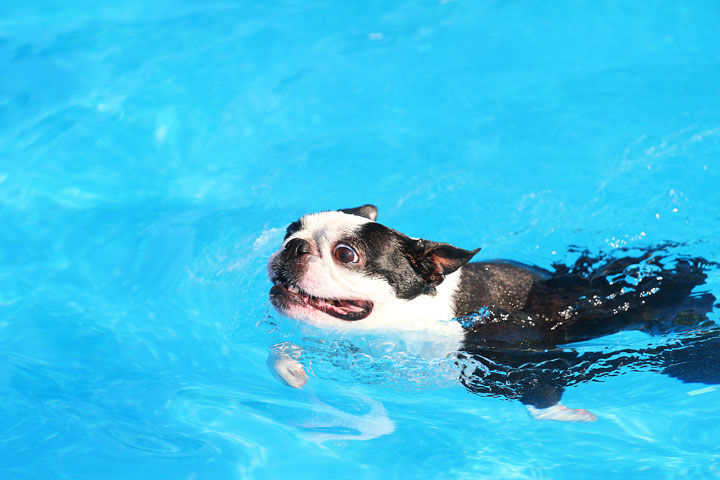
(288, 370)
(561, 413)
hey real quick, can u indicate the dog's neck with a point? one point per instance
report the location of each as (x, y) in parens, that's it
(426, 312)
(498, 285)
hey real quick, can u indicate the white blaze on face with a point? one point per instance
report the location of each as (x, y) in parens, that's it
(324, 277)
(327, 278)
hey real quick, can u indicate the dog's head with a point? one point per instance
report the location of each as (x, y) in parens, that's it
(342, 269)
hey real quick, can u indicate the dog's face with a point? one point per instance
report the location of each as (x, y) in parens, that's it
(342, 269)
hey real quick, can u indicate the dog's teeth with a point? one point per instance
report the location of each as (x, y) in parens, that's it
(293, 289)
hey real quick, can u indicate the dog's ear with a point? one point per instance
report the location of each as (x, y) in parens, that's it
(367, 211)
(433, 260)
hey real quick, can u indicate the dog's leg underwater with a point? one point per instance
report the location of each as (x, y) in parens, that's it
(284, 365)
(561, 413)
(542, 400)
(537, 378)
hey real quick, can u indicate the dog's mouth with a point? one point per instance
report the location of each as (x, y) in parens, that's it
(345, 309)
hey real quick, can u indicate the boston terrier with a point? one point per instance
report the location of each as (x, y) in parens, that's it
(343, 270)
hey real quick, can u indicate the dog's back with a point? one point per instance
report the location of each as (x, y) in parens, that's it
(594, 297)
(515, 341)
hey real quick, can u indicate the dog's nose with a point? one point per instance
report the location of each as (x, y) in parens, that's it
(298, 246)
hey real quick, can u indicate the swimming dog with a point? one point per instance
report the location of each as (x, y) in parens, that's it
(344, 270)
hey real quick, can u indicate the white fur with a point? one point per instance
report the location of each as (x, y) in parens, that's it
(325, 278)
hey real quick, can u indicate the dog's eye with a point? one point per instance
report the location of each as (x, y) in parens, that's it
(345, 254)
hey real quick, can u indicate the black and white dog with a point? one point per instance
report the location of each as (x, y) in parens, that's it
(343, 270)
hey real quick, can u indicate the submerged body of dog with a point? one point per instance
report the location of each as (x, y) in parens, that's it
(342, 270)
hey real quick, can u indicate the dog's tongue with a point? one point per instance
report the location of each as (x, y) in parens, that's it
(341, 306)
(347, 309)
(349, 306)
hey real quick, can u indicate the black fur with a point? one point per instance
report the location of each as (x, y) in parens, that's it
(412, 267)
(386, 254)
(292, 228)
(367, 211)
(433, 260)
(518, 318)
(496, 285)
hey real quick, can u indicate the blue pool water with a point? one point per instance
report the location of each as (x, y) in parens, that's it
(151, 155)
